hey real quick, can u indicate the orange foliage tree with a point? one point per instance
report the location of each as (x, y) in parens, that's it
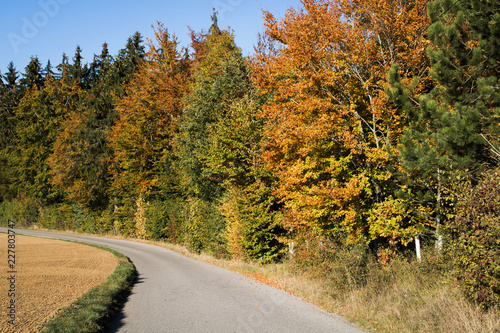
(148, 116)
(147, 120)
(331, 131)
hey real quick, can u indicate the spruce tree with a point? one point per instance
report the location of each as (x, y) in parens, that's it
(100, 65)
(11, 76)
(79, 71)
(38, 118)
(79, 161)
(128, 59)
(9, 99)
(32, 77)
(47, 71)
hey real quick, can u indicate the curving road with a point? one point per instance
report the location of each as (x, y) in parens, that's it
(175, 293)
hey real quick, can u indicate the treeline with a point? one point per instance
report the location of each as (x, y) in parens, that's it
(373, 122)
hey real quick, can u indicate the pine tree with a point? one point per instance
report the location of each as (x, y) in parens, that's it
(454, 126)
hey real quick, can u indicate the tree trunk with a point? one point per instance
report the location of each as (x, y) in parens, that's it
(439, 237)
(417, 248)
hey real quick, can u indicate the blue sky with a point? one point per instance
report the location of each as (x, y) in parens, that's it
(47, 28)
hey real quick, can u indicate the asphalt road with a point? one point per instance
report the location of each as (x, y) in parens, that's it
(175, 293)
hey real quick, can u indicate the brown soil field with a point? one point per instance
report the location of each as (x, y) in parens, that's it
(50, 275)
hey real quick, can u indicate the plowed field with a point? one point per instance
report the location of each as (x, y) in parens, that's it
(50, 275)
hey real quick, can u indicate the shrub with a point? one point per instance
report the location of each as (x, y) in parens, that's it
(123, 217)
(203, 228)
(253, 230)
(140, 217)
(7, 213)
(163, 219)
(475, 233)
(23, 210)
(344, 266)
(52, 217)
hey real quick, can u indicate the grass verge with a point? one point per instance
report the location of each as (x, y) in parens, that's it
(94, 309)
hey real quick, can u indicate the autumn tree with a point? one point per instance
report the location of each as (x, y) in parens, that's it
(331, 133)
(148, 118)
(79, 161)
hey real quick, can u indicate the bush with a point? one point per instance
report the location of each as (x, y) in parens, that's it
(344, 266)
(123, 218)
(253, 230)
(475, 234)
(164, 219)
(7, 213)
(23, 210)
(51, 217)
(203, 228)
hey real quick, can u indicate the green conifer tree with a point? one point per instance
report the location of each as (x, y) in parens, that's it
(455, 127)
(32, 77)
(79, 71)
(128, 59)
(38, 118)
(9, 98)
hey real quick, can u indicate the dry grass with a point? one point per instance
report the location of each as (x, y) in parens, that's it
(410, 302)
(398, 298)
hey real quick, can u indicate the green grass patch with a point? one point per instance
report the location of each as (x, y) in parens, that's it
(94, 309)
